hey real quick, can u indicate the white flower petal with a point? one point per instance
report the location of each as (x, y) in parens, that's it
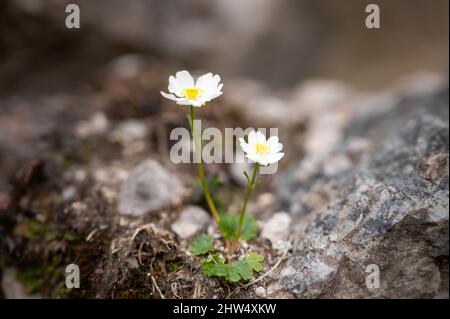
(198, 103)
(215, 95)
(262, 160)
(272, 141)
(175, 86)
(244, 145)
(208, 82)
(273, 158)
(182, 101)
(205, 82)
(185, 78)
(170, 96)
(260, 138)
(179, 82)
(276, 148)
(209, 85)
(253, 157)
(252, 138)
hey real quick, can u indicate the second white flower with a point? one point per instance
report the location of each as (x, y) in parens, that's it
(260, 150)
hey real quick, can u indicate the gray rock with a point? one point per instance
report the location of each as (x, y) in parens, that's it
(191, 221)
(260, 292)
(97, 124)
(12, 288)
(370, 122)
(391, 210)
(149, 187)
(277, 228)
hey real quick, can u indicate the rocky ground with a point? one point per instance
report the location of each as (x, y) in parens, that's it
(366, 183)
(85, 178)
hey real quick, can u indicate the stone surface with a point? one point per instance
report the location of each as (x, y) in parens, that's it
(390, 208)
(260, 292)
(149, 187)
(12, 288)
(191, 221)
(97, 124)
(277, 228)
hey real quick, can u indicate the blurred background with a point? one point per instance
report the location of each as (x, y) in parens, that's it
(80, 108)
(278, 42)
(46, 69)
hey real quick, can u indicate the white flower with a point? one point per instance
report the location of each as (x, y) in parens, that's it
(186, 92)
(260, 150)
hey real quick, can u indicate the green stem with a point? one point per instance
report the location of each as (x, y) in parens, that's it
(250, 186)
(201, 172)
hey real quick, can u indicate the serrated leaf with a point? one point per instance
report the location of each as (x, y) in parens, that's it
(229, 224)
(208, 269)
(214, 266)
(214, 270)
(244, 269)
(250, 228)
(232, 274)
(255, 261)
(201, 245)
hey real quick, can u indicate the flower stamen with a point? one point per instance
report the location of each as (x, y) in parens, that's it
(262, 148)
(192, 93)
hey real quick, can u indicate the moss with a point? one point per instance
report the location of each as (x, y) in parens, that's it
(174, 266)
(32, 229)
(72, 236)
(31, 279)
(47, 278)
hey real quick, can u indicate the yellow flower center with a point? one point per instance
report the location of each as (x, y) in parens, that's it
(192, 93)
(262, 148)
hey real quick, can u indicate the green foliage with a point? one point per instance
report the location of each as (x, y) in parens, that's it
(173, 266)
(32, 281)
(46, 278)
(214, 266)
(255, 261)
(229, 224)
(232, 273)
(241, 270)
(244, 269)
(201, 245)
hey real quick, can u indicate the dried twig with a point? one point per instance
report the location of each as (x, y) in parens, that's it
(173, 287)
(157, 288)
(260, 277)
(268, 272)
(197, 291)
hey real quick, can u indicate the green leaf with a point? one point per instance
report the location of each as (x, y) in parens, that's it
(214, 266)
(201, 245)
(246, 177)
(250, 228)
(255, 261)
(229, 224)
(241, 270)
(232, 274)
(244, 269)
